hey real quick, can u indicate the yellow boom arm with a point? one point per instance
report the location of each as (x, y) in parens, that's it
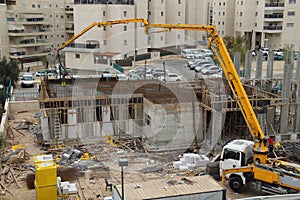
(219, 48)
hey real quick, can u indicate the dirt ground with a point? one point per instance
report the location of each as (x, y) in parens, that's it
(91, 184)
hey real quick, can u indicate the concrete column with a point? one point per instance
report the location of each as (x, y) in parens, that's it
(217, 125)
(258, 69)
(287, 78)
(297, 68)
(270, 66)
(247, 68)
(270, 120)
(237, 62)
(297, 108)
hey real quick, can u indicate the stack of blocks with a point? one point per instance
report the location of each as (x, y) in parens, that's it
(45, 177)
(190, 160)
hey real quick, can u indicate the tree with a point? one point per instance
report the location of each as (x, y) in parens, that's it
(8, 71)
(235, 44)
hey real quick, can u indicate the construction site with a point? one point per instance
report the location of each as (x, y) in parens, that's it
(166, 136)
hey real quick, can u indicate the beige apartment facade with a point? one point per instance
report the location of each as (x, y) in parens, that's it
(3, 31)
(267, 23)
(126, 40)
(34, 30)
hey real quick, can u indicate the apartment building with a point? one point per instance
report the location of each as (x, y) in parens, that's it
(3, 31)
(34, 29)
(128, 39)
(267, 23)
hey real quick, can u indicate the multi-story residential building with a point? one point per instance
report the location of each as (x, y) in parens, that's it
(264, 23)
(129, 39)
(3, 30)
(35, 28)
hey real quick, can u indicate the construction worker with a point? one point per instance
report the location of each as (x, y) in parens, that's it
(63, 83)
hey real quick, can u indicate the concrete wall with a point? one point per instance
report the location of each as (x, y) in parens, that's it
(22, 106)
(171, 126)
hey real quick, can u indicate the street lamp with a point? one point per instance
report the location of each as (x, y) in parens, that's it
(123, 162)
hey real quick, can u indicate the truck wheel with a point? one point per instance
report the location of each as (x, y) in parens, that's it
(236, 184)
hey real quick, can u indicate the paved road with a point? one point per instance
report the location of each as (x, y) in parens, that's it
(176, 65)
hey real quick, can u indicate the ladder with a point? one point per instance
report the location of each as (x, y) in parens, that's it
(57, 140)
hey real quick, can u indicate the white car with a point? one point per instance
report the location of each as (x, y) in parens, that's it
(207, 52)
(27, 80)
(148, 77)
(121, 77)
(203, 66)
(133, 76)
(171, 77)
(211, 70)
(106, 74)
(278, 52)
(265, 51)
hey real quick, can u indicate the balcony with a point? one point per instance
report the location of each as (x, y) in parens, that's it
(30, 43)
(273, 17)
(272, 29)
(89, 46)
(274, 6)
(69, 9)
(122, 2)
(34, 55)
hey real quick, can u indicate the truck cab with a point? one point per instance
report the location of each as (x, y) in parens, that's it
(235, 154)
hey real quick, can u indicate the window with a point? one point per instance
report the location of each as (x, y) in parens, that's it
(39, 6)
(77, 55)
(104, 28)
(179, 14)
(290, 25)
(241, 13)
(257, 2)
(161, 38)
(223, 13)
(104, 13)
(125, 42)
(256, 13)
(62, 16)
(292, 1)
(228, 154)
(162, 1)
(255, 24)
(104, 42)
(224, 3)
(33, 5)
(242, 3)
(10, 19)
(125, 28)
(125, 13)
(33, 28)
(178, 36)
(161, 13)
(147, 119)
(179, 1)
(240, 24)
(62, 36)
(291, 13)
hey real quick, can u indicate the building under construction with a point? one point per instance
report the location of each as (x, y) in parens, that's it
(159, 116)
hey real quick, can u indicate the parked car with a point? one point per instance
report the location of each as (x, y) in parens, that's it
(133, 76)
(158, 72)
(278, 52)
(140, 71)
(203, 66)
(39, 73)
(148, 77)
(211, 70)
(197, 53)
(199, 62)
(106, 74)
(121, 77)
(253, 53)
(27, 80)
(171, 77)
(187, 53)
(207, 52)
(265, 51)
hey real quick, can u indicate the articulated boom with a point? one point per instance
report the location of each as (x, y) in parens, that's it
(218, 46)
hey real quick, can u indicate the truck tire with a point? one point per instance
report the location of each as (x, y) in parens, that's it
(236, 184)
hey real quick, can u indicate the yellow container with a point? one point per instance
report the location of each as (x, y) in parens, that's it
(42, 158)
(45, 174)
(46, 193)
